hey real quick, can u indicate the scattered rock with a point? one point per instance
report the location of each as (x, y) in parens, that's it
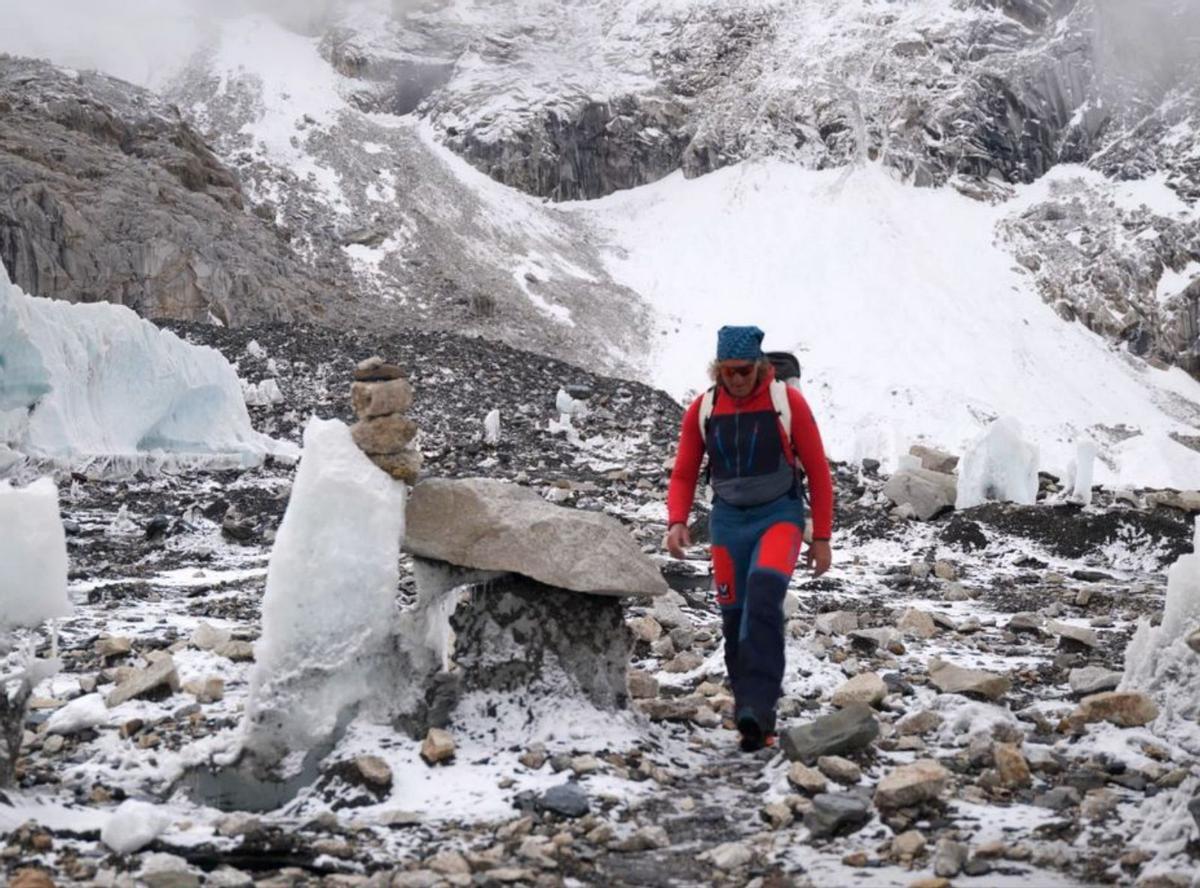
(646, 629)
(882, 638)
(837, 622)
(1014, 770)
(370, 771)
(951, 679)
(642, 685)
(207, 637)
(944, 570)
(30, 877)
(839, 769)
(236, 650)
(949, 858)
(919, 723)
(113, 646)
(934, 460)
(1059, 798)
(648, 838)
(908, 844)
(1126, 709)
(835, 814)
(866, 688)
(927, 493)
(917, 624)
(807, 779)
(437, 747)
(729, 856)
(208, 690)
(566, 799)
(159, 677)
(843, 733)
(1092, 680)
(1193, 641)
(685, 661)
(1077, 634)
(907, 785)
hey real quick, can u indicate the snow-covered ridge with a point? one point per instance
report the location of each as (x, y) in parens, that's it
(81, 383)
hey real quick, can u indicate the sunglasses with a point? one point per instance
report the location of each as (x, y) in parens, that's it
(730, 371)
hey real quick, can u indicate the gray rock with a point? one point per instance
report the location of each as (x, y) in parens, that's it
(1194, 809)
(912, 784)
(491, 525)
(836, 622)
(159, 677)
(1026, 622)
(1058, 799)
(927, 493)
(917, 623)
(1092, 680)
(515, 635)
(934, 460)
(835, 814)
(873, 639)
(1077, 634)
(1193, 641)
(951, 679)
(866, 687)
(843, 733)
(949, 858)
(566, 799)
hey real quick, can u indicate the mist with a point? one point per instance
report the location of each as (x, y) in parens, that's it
(144, 41)
(1146, 47)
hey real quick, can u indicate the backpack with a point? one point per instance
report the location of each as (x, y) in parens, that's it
(786, 367)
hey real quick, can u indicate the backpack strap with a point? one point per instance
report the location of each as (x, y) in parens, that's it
(707, 402)
(783, 408)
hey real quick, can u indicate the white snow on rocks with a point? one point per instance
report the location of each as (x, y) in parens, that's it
(133, 826)
(80, 714)
(33, 556)
(96, 382)
(998, 466)
(331, 590)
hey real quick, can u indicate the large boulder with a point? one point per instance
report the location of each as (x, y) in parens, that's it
(845, 732)
(493, 525)
(929, 493)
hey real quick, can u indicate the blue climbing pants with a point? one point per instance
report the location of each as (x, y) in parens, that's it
(754, 553)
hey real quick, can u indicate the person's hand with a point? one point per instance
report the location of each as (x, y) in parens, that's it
(818, 557)
(678, 539)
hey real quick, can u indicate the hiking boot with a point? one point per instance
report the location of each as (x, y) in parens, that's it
(753, 736)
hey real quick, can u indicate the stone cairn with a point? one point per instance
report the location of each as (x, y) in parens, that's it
(381, 396)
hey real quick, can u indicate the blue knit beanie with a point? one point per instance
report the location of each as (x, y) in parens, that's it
(739, 344)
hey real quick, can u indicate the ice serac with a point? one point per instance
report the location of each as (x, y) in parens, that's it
(329, 607)
(80, 383)
(999, 465)
(33, 556)
(485, 524)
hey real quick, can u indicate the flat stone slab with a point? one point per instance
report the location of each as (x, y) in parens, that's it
(842, 733)
(493, 525)
(951, 679)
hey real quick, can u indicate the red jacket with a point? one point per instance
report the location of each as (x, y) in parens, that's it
(806, 443)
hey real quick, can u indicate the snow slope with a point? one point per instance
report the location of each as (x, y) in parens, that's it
(910, 321)
(84, 382)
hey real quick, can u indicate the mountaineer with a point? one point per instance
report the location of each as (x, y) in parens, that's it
(758, 434)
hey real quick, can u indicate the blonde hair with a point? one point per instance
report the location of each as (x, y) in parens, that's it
(714, 368)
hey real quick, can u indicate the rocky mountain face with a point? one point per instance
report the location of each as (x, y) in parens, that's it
(106, 193)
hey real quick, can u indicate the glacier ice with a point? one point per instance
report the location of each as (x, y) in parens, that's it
(491, 427)
(1158, 654)
(999, 465)
(95, 382)
(33, 556)
(1079, 473)
(330, 604)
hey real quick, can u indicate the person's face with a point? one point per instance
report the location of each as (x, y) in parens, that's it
(739, 377)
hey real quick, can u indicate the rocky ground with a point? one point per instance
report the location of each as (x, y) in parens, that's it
(933, 729)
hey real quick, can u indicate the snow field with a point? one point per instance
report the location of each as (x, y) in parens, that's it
(910, 322)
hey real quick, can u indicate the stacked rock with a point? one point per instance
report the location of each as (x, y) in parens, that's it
(381, 397)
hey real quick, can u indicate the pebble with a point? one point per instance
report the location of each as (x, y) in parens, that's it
(806, 779)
